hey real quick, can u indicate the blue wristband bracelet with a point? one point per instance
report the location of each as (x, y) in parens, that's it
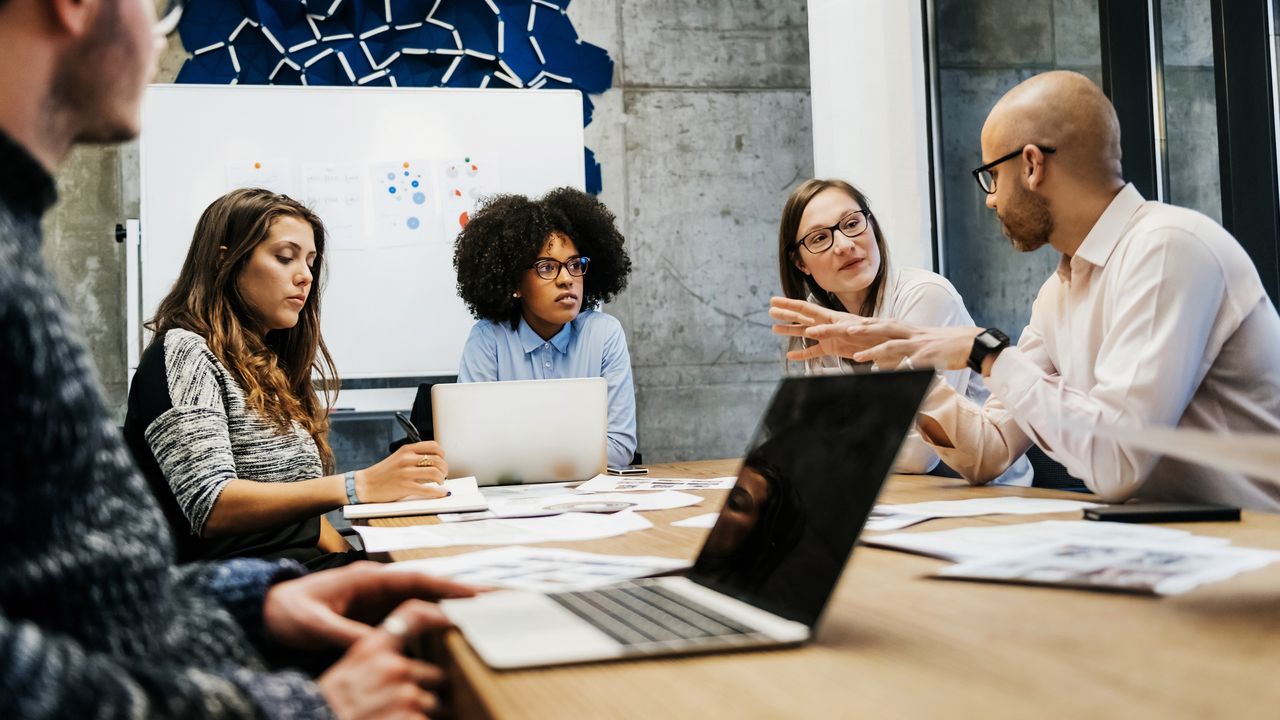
(352, 498)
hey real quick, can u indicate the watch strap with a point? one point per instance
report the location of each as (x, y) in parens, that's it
(352, 498)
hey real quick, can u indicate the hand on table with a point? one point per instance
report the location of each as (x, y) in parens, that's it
(338, 607)
(375, 681)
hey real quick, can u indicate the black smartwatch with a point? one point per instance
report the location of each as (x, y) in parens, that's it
(988, 342)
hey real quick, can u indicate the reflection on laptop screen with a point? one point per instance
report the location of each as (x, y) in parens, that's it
(806, 486)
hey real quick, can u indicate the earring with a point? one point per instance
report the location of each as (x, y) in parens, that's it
(515, 294)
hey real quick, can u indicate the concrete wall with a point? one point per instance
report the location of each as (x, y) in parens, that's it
(706, 130)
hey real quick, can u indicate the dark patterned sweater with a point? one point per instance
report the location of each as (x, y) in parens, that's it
(95, 619)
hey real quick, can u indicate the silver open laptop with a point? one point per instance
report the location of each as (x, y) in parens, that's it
(523, 431)
(770, 563)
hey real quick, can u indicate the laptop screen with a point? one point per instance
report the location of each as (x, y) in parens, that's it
(807, 484)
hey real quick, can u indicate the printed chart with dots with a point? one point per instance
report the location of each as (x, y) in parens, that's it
(465, 181)
(404, 208)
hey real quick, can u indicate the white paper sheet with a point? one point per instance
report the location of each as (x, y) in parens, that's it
(403, 203)
(538, 506)
(1154, 569)
(494, 492)
(557, 528)
(984, 506)
(611, 483)
(698, 521)
(975, 543)
(879, 521)
(463, 181)
(464, 496)
(274, 174)
(540, 569)
(335, 191)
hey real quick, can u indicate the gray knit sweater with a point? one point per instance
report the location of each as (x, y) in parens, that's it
(95, 619)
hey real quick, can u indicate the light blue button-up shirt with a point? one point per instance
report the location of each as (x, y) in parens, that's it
(593, 345)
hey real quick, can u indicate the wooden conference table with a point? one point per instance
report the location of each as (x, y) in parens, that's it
(896, 644)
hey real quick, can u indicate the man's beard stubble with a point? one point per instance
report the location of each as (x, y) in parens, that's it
(1027, 221)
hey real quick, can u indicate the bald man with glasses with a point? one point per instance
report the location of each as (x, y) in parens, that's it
(1155, 317)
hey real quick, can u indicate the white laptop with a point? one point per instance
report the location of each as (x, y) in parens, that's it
(523, 431)
(768, 567)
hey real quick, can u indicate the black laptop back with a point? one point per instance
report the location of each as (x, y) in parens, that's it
(807, 484)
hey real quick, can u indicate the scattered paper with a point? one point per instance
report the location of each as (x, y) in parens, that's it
(611, 483)
(494, 492)
(463, 496)
(984, 506)
(878, 521)
(1151, 569)
(698, 521)
(976, 543)
(538, 506)
(557, 528)
(540, 569)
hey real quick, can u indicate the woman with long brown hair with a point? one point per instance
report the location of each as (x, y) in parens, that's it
(832, 254)
(224, 416)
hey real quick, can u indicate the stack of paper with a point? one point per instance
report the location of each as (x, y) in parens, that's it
(608, 483)
(558, 528)
(1083, 554)
(539, 505)
(540, 569)
(1152, 569)
(977, 543)
(895, 517)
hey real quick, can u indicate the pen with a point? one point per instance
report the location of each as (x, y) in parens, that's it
(409, 429)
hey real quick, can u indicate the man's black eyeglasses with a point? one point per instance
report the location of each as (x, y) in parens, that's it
(987, 180)
(549, 269)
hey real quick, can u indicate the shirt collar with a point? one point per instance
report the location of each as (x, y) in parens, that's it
(531, 341)
(26, 188)
(1106, 232)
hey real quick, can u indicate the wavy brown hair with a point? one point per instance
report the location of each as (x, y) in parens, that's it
(279, 371)
(795, 283)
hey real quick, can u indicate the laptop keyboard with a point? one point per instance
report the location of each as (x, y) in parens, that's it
(642, 614)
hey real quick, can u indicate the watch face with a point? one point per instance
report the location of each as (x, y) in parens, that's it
(988, 340)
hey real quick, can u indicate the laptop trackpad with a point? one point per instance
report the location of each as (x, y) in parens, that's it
(518, 629)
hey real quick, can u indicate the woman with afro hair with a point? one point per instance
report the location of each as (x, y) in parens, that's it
(522, 270)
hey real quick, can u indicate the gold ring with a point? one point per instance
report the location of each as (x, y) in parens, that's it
(426, 461)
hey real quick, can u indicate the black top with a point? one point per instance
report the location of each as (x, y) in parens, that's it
(149, 399)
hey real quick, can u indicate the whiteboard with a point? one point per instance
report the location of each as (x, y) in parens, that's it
(390, 306)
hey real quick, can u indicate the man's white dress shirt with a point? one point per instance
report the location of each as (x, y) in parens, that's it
(1158, 320)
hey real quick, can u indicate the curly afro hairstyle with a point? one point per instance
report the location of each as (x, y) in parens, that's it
(506, 235)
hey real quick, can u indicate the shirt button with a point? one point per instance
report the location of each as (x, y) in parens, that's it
(547, 364)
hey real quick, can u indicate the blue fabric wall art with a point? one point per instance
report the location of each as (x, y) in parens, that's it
(395, 43)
